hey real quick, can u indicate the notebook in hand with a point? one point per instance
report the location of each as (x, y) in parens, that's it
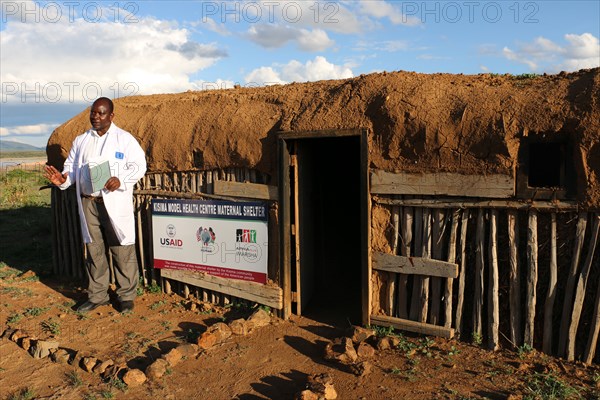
(99, 174)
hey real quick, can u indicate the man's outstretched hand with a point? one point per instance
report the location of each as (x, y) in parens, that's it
(54, 176)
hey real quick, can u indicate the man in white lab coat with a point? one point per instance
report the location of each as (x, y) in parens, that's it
(105, 163)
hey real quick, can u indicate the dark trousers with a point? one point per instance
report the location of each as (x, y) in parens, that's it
(97, 267)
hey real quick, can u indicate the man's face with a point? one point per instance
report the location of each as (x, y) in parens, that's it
(101, 117)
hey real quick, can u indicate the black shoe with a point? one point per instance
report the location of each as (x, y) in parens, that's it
(89, 306)
(126, 306)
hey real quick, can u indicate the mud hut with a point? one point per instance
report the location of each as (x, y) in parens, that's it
(440, 204)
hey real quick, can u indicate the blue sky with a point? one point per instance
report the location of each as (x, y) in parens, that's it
(56, 57)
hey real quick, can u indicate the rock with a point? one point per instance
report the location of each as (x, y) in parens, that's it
(173, 357)
(240, 327)
(16, 335)
(215, 334)
(188, 350)
(260, 318)
(306, 395)
(342, 350)
(60, 356)
(26, 343)
(157, 369)
(359, 334)
(322, 385)
(77, 356)
(88, 363)
(365, 350)
(193, 306)
(362, 368)
(42, 348)
(8, 333)
(113, 371)
(102, 366)
(134, 377)
(207, 340)
(384, 343)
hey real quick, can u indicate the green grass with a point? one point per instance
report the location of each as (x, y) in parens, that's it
(51, 326)
(549, 387)
(23, 394)
(41, 154)
(74, 379)
(25, 221)
(35, 311)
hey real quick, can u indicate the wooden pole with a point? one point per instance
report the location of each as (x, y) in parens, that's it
(439, 224)
(407, 223)
(493, 300)
(580, 290)
(415, 307)
(140, 237)
(463, 203)
(426, 253)
(515, 278)
(551, 296)
(479, 273)
(391, 287)
(568, 301)
(450, 281)
(590, 348)
(532, 276)
(460, 295)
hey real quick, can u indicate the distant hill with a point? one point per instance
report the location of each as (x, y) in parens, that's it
(7, 145)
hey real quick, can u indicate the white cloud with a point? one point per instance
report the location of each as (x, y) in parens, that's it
(381, 9)
(579, 51)
(276, 35)
(295, 71)
(390, 46)
(28, 130)
(211, 25)
(326, 15)
(73, 59)
(263, 76)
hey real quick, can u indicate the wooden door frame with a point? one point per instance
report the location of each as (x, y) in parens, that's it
(284, 138)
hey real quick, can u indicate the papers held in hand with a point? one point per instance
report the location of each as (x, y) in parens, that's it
(99, 174)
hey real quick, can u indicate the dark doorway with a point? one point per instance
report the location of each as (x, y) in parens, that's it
(328, 216)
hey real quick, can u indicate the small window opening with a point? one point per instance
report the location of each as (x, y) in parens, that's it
(546, 165)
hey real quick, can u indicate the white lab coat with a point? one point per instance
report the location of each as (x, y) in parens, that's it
(127, 162)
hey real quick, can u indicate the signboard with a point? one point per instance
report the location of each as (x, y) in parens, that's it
(222, 238)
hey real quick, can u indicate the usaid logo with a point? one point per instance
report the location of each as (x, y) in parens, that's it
(170, 241)
(171, 230)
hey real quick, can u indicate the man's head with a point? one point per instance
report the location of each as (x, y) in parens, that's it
(101, 115)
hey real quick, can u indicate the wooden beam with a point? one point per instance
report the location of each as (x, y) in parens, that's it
(441, 202)
(493, 295)
(571, 279)
(246, 190)
(514, 291)
(271, 296)
(414, 265)
(552, 286)
(413, 326)
(532, 278)
(581, 287)
(443, 183)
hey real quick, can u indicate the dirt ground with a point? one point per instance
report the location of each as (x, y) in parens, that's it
(271, 362)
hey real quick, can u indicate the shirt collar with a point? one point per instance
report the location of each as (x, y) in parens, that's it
(95, 133)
